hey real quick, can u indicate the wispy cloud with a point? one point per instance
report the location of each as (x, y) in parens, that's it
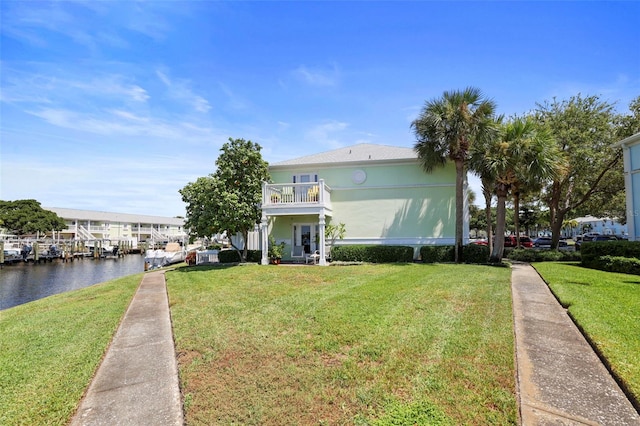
(89, 24)
(621, 88)
(317, 76)
(327, 134)
(118, 122)
(180, 90)
(48, 87)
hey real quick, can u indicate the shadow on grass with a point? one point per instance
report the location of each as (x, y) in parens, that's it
(200, 268)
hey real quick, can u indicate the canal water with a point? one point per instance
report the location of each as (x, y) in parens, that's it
(25, 282)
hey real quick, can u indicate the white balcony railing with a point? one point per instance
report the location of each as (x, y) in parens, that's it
(277, 194)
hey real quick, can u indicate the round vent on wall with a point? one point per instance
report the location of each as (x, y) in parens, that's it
(358, 176)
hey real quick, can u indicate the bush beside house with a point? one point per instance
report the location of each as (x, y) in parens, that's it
(438, 254)
(612, 256)
(372, 254)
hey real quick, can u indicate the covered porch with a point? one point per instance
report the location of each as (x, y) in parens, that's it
(308, 206)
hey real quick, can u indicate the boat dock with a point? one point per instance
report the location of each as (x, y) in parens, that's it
(15, 251)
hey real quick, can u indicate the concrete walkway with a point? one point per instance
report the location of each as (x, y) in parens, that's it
(561, 381)
(137, 382)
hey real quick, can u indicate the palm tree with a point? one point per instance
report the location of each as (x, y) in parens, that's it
(523, 154)
(445, 130)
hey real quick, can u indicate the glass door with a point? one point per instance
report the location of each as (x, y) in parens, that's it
(305, 236)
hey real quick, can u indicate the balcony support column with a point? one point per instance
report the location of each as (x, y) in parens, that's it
(264, 240)
(321, 227)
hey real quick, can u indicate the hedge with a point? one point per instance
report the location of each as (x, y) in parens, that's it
(372, 254)
(624, 265)
(472, 253)
(529, 255)
(592, 252)
(232, 256)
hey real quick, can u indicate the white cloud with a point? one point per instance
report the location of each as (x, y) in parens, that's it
(180, 90)
(317, 77)
(325, 134)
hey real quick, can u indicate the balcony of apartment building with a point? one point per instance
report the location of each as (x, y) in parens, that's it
(282, 199)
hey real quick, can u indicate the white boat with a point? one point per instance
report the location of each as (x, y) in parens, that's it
(12, 251)
(172, 253)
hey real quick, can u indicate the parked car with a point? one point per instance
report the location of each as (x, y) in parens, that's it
(511, 241)
(595, 238)
(545, 242)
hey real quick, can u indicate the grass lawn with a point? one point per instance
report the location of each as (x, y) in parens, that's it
(50, 349)
(607, 308)
(361, 345)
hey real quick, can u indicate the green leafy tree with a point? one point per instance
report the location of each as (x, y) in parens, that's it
(522, 153)
(23, 217)
(529, 217)
(230, 198)
(606, 203)
(445, 130)
(584, 129)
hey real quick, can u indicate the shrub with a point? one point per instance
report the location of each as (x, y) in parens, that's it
(254, 256)
(228, 256)
(528, 255)
(624, 265)
(472, 253)
(437, 254)
(372, 254)
(592, 252)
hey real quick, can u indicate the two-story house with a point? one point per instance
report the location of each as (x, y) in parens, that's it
(380, 193)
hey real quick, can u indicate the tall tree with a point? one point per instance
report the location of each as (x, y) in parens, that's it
(584, 129)
(22, 217)
(445, 130)
(230, 198)
(606, 204)
(522, 153)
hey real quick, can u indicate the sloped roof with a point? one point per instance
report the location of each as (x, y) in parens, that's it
(363, 152)
(114, 217)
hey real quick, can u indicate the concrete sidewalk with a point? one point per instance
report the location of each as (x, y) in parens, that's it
(137, 382)
(561, 381)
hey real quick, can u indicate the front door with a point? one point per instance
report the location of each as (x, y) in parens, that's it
(305, 235)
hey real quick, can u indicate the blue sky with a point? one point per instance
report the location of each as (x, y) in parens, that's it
(115, 106)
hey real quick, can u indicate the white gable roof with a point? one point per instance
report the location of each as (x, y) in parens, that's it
(114, 217)
(364, 152)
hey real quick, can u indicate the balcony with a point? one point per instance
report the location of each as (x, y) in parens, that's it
(296, 198)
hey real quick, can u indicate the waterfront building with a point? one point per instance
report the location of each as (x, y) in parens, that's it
(97, 225)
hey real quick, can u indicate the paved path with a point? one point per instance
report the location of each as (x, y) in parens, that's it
(561, 381)
(137, 382)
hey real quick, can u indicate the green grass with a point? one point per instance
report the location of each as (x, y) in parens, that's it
(50, 349)
(606, 306)
(361, 345)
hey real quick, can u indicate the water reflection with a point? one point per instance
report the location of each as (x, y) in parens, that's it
(21, 283)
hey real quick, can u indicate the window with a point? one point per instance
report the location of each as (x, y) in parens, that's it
(305, 178)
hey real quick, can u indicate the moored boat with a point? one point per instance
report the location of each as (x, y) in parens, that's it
(172, 253)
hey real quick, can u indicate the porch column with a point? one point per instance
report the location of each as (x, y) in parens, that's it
(321, 226)
(264, 240)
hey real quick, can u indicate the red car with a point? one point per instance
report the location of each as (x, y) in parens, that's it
(510, 241)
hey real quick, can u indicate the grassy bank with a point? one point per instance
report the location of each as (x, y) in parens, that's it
(362, 345)
(49, 350)
(607, 307)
